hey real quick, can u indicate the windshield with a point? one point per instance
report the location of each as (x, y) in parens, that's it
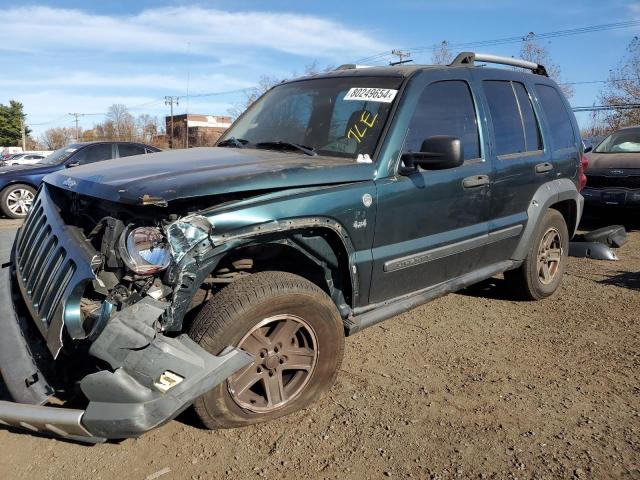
(624, 141)
(59, 155)
(340, 117)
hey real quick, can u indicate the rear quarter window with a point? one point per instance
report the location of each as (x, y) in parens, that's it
(515, 124)
(558, 118)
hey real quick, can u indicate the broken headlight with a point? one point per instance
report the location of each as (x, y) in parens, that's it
(145, 250)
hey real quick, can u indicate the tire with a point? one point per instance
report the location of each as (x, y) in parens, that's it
(16, 199)
(531, 281)
(287, 306)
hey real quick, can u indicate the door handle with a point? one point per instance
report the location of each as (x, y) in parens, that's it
(475, 181)
(544, 167)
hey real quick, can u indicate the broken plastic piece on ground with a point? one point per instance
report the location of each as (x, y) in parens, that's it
(614, 236)
(594, 250)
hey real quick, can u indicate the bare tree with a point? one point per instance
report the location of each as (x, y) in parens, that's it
(147, 127)
(442, 54)
(535, 52)
(122, 121)
(623, 88)
(55, 138)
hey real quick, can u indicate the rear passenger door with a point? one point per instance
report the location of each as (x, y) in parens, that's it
(431, 224)
(521, 160)
(92, 153)
(130, 149)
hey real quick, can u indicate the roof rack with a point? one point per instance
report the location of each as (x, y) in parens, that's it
(351, 66)
(469, 58)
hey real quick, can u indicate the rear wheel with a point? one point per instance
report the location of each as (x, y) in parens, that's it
(541, 272)
(16, 200)
(293, 330)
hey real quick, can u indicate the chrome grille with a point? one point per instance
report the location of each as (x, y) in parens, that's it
(53, 263)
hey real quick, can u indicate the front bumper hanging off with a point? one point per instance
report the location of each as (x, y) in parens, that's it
(153, 377)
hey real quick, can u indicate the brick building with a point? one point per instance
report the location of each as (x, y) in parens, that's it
(204, 130)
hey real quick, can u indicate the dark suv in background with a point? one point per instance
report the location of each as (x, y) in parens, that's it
(18, 185)
(227, 277)
(614, 170)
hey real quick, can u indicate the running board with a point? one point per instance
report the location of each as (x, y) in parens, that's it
(373, 314)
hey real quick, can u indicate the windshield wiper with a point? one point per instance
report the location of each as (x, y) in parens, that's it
(233, 142)
(287, 146)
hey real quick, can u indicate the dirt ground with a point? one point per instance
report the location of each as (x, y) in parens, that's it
(473, 385)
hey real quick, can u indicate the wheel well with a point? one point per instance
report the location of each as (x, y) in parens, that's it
(18, 183)
(316, 254)
(569, 211)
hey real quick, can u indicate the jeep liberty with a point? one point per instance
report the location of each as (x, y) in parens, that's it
(227, 278)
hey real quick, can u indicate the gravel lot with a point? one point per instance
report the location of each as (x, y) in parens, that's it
(471, 385)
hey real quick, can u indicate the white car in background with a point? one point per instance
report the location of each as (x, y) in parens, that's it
(26, 158)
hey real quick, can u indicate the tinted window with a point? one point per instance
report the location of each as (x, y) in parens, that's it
(557, 117)
(93, 153)
(533, 140)
(505, 115)
(129, 149)
(445, 108)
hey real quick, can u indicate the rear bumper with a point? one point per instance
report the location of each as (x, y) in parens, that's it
(124, 401)
(611, 196)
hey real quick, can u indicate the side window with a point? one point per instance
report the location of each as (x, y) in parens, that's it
(445, 108)
(93, 153)
(514, 122)
(129, 149)
(532, 137)
(557, 117)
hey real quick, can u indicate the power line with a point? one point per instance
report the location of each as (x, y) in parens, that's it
(514, 39)
(597, 108)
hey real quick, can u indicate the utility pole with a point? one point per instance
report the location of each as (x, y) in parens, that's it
(77, 117)
(401, 54)
(170, 100)
(23, 131)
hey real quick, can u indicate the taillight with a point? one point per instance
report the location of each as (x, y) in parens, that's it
(582, 178)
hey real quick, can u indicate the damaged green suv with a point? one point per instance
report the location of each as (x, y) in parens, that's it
(227, 278)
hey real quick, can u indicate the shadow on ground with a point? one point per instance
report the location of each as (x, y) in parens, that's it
(493, 288)
(630, 280)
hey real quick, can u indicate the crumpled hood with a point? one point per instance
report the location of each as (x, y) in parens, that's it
(603, 161)
(177, 174)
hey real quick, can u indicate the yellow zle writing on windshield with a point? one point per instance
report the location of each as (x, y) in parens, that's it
(382, 95)
(358, 131)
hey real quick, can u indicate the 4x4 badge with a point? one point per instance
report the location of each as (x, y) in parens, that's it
(70, 183)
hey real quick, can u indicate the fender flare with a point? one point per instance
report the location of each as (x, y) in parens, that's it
(547, 195)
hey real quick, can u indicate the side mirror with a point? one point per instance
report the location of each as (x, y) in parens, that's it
(437, 153)
(72, 164)
(587, 146)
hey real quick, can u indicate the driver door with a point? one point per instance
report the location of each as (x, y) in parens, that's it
(431, 224)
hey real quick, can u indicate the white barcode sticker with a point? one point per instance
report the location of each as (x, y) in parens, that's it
(382, 95)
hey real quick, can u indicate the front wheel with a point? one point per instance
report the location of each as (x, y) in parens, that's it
(15, 200)
(293, 330)
(541, 272)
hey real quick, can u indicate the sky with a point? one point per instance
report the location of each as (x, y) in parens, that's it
(61, 57)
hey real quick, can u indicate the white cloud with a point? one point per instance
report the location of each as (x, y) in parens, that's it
(197, 83)
(178, 30)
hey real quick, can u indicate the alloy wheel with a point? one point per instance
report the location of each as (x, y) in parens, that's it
(286, 353)
(549, 256)
(19, 201)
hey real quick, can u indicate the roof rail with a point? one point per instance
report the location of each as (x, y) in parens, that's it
(469, 58)
(350, 66)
